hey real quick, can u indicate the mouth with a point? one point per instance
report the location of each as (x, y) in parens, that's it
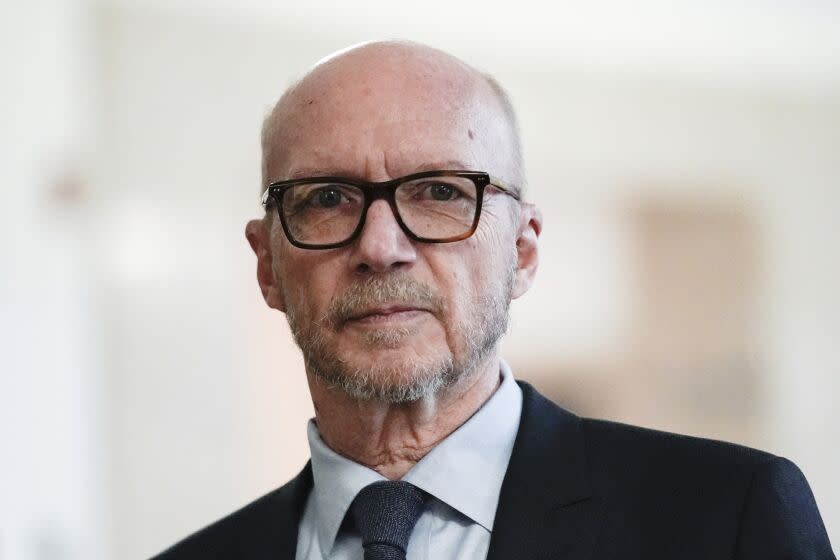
(385, 315)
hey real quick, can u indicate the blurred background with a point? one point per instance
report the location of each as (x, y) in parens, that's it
(685, 156)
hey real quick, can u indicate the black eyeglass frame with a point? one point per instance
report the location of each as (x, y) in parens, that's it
(384, 190)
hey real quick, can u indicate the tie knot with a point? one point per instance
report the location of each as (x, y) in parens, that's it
(385, 513)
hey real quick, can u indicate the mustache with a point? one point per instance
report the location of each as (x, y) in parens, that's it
(375, 291)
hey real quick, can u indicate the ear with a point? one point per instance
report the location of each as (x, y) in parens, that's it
(527, 248)
(258, 233)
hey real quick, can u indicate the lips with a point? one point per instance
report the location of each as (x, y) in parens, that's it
(383, 312)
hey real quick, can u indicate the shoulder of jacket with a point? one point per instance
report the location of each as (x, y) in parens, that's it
(255, 518)
(607, 439)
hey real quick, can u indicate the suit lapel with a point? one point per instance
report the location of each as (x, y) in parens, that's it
(546, 507)
(287, 512)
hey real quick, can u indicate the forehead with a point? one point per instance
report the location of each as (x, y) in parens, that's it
(385, 121)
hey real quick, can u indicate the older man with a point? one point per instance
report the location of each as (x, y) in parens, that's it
(395, 237)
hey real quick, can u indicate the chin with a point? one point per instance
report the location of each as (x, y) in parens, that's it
(391, 375)
(398, 362)
(386, 339)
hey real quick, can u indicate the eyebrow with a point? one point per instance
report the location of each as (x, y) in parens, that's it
(448, 165)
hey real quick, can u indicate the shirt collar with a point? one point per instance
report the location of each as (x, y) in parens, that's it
(336, 481)
(466, 469)
(483, 444)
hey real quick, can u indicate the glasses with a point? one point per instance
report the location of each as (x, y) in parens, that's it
(432, 206)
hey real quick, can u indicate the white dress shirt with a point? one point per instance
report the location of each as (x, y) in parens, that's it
(463, 474)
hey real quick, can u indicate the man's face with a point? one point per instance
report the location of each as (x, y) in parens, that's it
(386, 317)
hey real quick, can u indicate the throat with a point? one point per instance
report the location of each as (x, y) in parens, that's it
(392, 438)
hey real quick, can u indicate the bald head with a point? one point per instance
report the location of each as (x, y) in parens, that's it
(385, 109)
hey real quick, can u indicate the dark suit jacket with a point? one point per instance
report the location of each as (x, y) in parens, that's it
(580, 489)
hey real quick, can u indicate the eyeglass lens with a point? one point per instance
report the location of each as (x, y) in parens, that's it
(430, 207)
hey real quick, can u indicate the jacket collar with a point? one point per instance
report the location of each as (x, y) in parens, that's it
(287, 503)
(546, 507)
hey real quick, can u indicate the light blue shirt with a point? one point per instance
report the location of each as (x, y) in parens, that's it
(463, 474)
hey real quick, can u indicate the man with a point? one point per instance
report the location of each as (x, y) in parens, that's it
(395, 237)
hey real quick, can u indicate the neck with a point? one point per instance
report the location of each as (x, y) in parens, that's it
(391, 438)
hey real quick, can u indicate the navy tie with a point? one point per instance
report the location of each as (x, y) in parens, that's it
(385, 514)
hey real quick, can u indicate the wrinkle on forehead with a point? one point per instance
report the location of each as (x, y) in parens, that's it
(381, 93)
(382, 150)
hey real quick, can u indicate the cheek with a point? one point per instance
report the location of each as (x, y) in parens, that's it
(464, 274)
(480, 268)
(493, 244)
(313, 292)
(308, 281)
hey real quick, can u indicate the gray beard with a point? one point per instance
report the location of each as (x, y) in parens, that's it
(414, 378)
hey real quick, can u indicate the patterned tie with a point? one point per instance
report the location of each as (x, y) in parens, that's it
(385, 514)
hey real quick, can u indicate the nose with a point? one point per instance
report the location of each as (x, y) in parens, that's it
(382, 245)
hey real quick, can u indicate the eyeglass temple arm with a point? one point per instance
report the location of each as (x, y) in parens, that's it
(504, 186)
(264, 197)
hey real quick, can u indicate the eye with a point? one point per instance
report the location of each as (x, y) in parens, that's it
(440, 191)
(328, 197)
(433, 192)
(325, 197)
(436, 191)
(321, 198)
